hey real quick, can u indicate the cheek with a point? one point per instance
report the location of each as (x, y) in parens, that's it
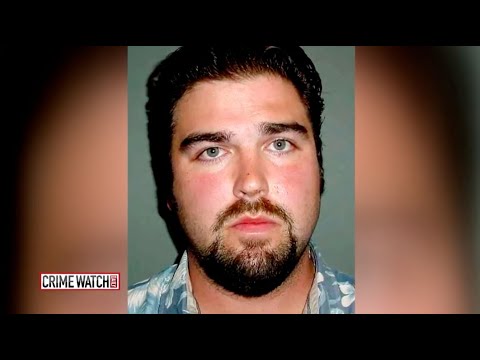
(298, 186)
(203, 193)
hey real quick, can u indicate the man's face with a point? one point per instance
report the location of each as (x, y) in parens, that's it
(246, 180)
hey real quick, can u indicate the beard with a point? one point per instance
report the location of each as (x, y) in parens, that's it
(256, 269)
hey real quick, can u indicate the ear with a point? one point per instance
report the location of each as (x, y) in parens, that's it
(169, 205)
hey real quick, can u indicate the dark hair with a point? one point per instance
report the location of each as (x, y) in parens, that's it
(188, 65)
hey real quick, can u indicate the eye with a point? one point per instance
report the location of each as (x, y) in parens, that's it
(211, 153)
(281, 145)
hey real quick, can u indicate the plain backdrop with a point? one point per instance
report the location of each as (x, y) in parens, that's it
(150, 248)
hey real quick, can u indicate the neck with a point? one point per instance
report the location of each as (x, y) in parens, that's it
(289, 298)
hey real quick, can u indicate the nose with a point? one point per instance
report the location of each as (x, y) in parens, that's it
(251, 180)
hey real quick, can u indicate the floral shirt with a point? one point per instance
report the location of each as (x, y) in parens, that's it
(170, 291)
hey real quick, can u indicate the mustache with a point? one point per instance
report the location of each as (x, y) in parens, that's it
(260, 206)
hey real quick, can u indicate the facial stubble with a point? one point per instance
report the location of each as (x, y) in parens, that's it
(257, 269)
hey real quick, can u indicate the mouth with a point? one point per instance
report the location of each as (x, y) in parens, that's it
(254, 225)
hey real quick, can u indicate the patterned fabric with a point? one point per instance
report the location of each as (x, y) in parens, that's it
(170, 291)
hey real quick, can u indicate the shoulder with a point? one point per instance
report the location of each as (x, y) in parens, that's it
(341, 290)
(144, 296)
(338, 287)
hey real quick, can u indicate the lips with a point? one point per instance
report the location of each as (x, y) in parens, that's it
(258, 224)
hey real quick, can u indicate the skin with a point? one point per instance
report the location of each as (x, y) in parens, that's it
(248, 166)
(408, 230)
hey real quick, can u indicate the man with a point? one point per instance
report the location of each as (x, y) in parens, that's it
(235, 145)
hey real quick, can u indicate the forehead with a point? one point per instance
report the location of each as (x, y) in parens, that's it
(228, 102)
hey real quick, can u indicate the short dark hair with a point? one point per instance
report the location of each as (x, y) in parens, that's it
(188, 65)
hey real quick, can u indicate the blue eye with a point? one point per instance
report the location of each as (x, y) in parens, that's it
(212, 152)
(280, 144)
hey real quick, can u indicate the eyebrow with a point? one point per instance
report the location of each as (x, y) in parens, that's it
(215, 137)
(265, 128)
